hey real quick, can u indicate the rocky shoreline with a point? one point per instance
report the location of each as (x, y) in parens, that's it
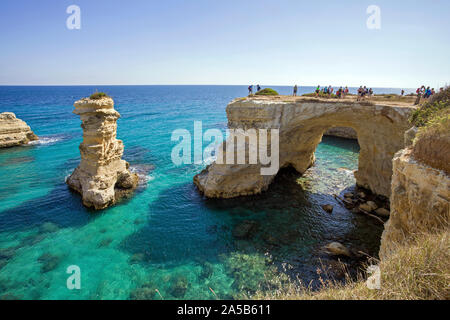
(14, 132)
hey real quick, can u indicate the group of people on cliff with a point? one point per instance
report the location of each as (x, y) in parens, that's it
(425, 93)
(250, 89)
(340, 93)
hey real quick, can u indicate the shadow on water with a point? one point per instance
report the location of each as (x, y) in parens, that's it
(69, 211)
(285, 223)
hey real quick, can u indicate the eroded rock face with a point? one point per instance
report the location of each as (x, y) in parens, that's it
(13, 131)
(102, 177)
(380, 130)
(342, 132)
(419, 201)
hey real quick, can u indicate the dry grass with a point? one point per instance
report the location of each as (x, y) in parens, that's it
(418, 270)
(393, 98)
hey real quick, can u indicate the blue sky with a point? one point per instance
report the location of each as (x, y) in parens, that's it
(225, 42)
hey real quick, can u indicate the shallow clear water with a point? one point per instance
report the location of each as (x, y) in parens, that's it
(167, 237)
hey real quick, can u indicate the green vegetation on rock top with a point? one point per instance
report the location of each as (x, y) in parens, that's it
(98, 95)
(432, 142)
(430, 108)
(266, 92)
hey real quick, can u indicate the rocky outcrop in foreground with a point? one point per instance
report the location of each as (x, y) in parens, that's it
(102, 178)
(13, 131)
(419, 201)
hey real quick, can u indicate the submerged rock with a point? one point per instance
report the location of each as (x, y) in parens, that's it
(105, 243)
(146, 292)
(337, 249)
(102, 177)
(7, 253)
(13, 131)
(382, 212)
(3, 262)
(369, 206)
(207, 270)
(137, 258)
(245, 229)
(349, 195)
(48, 227)
(327, 208)
(179, 287)
(49, 262)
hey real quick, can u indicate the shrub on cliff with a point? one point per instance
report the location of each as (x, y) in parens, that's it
(432, 143)
(266, 92)
(98, 95)
(428, 109)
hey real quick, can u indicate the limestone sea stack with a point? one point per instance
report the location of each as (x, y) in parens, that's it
(102, 177)
(13, 131)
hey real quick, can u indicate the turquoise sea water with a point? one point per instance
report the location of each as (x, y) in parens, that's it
(167, 237)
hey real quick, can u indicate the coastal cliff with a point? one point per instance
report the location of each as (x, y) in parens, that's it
(419, 201)
(13, 131)
(102, 177)
(301, 123)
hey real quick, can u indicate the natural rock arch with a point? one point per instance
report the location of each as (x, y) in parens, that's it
(302, 123)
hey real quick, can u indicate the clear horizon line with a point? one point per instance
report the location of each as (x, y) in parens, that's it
(143, 85)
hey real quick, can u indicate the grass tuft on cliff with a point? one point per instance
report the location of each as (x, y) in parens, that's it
(321, 95)
(266, 92)
(98, 95)
(418, 270)
(432, 142)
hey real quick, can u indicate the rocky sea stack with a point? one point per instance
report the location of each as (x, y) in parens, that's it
(13, 131)
(102, 177)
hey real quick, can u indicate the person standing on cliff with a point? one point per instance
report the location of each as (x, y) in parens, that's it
(258, 88)
(360, 93)
(250, 90)
(419, 95)
(345, 91)
(295, 91)
(317, 91)
(330, 91)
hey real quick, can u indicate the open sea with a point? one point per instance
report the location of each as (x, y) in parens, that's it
(167, 241)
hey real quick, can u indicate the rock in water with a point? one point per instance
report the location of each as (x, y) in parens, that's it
(102, 177)
(327, 208)
(382, 212)
(337, 249)
(179, 286)
(13, 131)
(245, 229)
(369, 206)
